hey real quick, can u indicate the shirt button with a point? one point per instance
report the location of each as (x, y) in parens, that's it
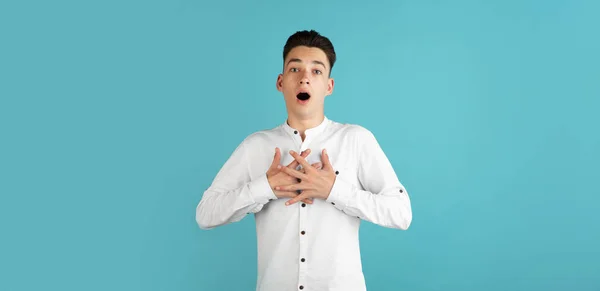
(401, 191)
(332, 203)
(296, 132)
(337, 172)
(303, 232)
(303, 204)
(301, 287)
(302, 260)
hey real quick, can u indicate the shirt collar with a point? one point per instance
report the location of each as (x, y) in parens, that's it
(310, 131)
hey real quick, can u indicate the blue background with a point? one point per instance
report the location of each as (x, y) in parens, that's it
(116, 115)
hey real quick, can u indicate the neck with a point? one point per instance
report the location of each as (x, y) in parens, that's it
(305, 122)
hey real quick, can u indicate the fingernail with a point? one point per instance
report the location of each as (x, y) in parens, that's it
(278, 166)
(287, 203)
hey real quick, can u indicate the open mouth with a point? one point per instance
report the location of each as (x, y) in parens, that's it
(303, 96)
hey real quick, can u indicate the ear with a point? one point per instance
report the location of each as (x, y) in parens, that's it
(279, 83)
(330, 84)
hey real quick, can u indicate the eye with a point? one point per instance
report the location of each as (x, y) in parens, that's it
(318, 72)
(294, 70)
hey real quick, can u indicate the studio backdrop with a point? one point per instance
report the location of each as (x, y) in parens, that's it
(115, 116)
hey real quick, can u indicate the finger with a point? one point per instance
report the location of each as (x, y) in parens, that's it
(300, 159)
(289, 194)
(292, 194)
(292, 172)
(305, 153)
(307, 201)
(326, 162)
(317, 165)
(295, 163)
(276, 161)
(296, 199)
(294, 187)
(276, 158)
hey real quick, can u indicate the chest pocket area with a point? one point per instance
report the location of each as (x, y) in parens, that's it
(347, 173)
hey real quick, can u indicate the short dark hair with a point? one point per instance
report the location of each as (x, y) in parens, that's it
(310, 39)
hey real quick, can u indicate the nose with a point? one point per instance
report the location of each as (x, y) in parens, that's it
(305, 78)
(304, 81)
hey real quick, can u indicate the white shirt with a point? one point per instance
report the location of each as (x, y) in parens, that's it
(308, 247)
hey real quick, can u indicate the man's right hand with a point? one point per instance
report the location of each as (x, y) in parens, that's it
(277, 177)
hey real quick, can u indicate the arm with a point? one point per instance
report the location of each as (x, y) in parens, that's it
(233, 194)
(384, 200)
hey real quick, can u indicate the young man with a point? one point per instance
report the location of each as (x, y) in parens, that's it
(309, 182)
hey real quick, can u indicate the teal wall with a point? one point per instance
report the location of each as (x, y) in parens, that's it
(116, 115)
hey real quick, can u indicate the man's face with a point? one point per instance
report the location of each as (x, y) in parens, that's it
(305, 81)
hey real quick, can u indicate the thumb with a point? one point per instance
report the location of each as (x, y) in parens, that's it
(325, 158)
(276, 159)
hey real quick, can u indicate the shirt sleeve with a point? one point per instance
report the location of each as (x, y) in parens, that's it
(384, 200)
(232, 194)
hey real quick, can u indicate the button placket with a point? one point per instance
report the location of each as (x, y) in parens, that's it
(302, 250)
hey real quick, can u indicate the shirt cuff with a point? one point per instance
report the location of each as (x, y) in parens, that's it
(260, 190)
(340, 194)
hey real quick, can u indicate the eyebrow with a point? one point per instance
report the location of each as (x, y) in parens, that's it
(296, 60)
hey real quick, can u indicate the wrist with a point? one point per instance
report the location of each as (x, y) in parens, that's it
(261, 190)
(325, 195)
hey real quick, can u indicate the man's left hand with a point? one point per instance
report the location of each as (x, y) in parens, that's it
(315, 183)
